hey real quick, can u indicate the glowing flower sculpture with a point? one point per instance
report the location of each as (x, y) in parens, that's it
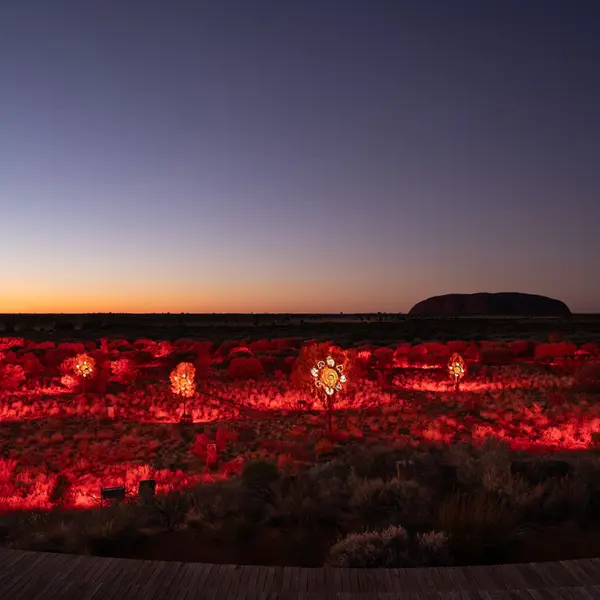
(84, 365)
(183, 384)
(457, 368)
(329, 377)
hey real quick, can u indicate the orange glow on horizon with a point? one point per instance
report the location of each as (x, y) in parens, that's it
(137, 295)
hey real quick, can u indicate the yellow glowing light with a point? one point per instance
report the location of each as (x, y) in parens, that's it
(84, 365)
(328, 376)
(456, 367)
(182, 380)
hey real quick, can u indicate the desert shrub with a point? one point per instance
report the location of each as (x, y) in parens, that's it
(227, 346)
(456, 346)
(391, 547)
(588, 377)
(172, 508)
(11, 376)
(245, 368)
(31, 364)
(488, 466)
(402, 349)
(383, 358)
(286, 344)
(481, 525)
(72, 347)
(61, 494)
(418, 353)
(437, 350)
(522, 348)
(297, 501)
(383, 548)
(124, 369)
(204, 348)
(563, 499)
(259, 474)
(590, 348)
(376, 462)
(555, 350)
(143, 357)
(212, 505)
(498, 355)
(199, 446)
(241, 351)
(393, 501)
(262, 346)
(47, 345)
(203, 366)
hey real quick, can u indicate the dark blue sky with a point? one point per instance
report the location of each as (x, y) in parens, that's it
(308, 155)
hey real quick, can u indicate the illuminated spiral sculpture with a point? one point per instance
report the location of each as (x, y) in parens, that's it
(329, 377)
(456, 368)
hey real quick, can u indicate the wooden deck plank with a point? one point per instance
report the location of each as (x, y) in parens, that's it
(192, 585)
(199, 579)
(482, 578)
(212, 578)
(361, 581)
(579, 593)
(38, 579)
(142, 574)
(61, 578)
(294, 580)
(575, 568)
(245, 580)
(353, 581)
(132, 581)
(179, 592)
(15, 567)
(445, 583)
(541, 594)
(22, 573)
(425, 581)
(147, 586)
(456, 575)
(47, 576)
(511, 576)
(494, 577)
(533, 576)
(45, 571)
(303, 580)
(592, 568)
(104, 570)
(344, 578)
(227, 574)
(116, 577)
(173, 573)
(64, 580)
(558, 573)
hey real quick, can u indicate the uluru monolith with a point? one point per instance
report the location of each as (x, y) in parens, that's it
(487, 304)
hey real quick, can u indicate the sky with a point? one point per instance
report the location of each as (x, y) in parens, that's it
(282, 156)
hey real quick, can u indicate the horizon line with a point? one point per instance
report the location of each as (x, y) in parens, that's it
(316, 314)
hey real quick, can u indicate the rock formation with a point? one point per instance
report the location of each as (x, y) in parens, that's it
(485, 304)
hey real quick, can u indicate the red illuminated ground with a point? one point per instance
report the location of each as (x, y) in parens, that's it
(122, 424)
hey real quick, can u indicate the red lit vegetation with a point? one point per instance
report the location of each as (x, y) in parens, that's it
(436, 475)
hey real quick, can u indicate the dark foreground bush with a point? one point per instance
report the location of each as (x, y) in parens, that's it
(390, 547)
(390, 507)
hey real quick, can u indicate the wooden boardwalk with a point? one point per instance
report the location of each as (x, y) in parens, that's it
(39, 575)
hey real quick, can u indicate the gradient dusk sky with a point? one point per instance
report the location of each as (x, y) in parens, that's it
(297, 155)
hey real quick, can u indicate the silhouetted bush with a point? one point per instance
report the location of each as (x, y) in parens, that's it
(245, 368)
